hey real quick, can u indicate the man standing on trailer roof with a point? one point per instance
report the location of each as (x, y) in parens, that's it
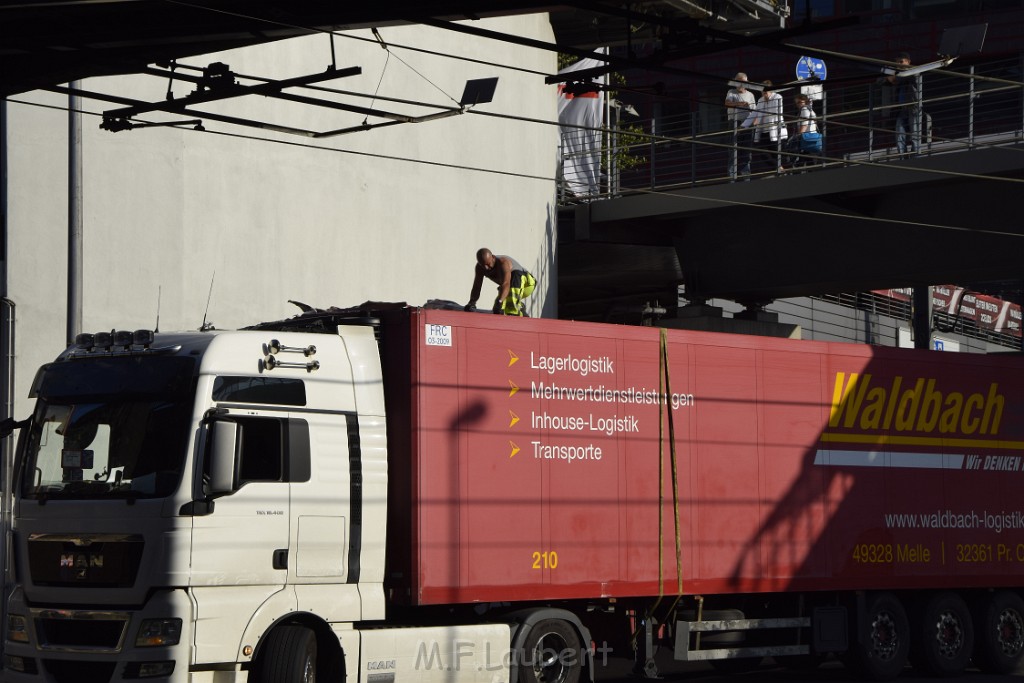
(514, 282)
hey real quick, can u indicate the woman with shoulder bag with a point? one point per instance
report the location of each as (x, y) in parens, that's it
(806, 138)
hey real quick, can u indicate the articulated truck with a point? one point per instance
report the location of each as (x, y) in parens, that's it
(392, 494)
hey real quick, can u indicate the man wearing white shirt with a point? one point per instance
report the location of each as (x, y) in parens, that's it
(738, 103)
(768, 125)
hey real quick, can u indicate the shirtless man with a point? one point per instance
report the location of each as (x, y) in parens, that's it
(514, 282)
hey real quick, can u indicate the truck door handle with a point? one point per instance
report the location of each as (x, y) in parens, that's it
(281, 559)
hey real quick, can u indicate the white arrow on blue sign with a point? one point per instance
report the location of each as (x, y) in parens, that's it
(806, 67)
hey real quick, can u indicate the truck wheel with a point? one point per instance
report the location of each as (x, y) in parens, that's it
(944, 636)
(880, 647)
(552, 654)
(999, 632)
(288, 656)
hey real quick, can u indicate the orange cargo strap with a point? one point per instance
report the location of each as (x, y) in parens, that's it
(664, 390)
(666, 394)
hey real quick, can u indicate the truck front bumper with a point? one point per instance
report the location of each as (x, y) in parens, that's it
(77, 644)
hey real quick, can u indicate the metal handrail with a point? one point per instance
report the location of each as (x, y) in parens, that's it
(961, 110)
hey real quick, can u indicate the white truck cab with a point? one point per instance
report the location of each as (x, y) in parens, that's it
(211, 506)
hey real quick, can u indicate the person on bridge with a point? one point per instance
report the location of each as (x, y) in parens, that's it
(768, 126)
(738, 103)
(514, 282)
(805, 125)
(908, 109)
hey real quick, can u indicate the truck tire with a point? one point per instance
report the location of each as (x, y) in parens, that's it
(552, 653)
(288, 656)
(998, 632)
(881, 639)
(943, 635)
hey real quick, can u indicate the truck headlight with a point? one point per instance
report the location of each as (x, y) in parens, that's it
(17, 628)
(156, 632)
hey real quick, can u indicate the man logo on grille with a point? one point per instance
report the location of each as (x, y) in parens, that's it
(81, 560)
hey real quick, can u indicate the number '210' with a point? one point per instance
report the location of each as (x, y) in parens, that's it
(545, 560)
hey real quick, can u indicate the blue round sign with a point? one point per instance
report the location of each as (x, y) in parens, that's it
(808, 67)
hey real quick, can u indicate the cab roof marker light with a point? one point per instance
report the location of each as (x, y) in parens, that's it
(123, 338)
(103, 340)
(85, 340)
(144, 337)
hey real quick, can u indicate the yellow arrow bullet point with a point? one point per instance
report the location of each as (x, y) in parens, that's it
(515, 449)
(512, 358)
(512, 392)
(515, 418)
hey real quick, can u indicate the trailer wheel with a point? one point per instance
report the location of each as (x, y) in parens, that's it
(288, 656)
(999, 632)
(879, 651)
(944, 636)
(552, 654)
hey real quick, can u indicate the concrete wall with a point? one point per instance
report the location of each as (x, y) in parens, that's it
(386, 215)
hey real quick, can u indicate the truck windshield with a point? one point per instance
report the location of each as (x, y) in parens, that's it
(109, 427)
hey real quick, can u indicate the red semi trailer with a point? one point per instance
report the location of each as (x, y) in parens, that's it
(386, 493)
(825, 496)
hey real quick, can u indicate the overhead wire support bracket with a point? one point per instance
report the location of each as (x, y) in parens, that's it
(118, 125)
(269, 88)
(477, 91)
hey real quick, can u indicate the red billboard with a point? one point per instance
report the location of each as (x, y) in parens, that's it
(987, 312)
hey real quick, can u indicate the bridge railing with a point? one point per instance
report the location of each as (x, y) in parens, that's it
(960, 109)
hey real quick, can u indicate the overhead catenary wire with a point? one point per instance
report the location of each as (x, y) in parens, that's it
(378, 39)
(705, 139)
(551, 179)
(383, 69)
(449, 55)
(693, 139)
(411, 68)
(526, 42)
(883, 62)
(696, 139)
(351, 36)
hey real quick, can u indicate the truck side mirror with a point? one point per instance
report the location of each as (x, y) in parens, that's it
(223, 454)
